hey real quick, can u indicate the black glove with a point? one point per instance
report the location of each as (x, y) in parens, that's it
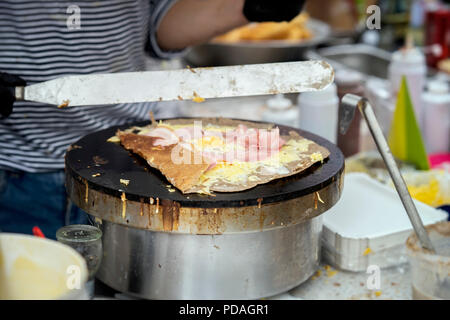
(271, 10)
(8, 83)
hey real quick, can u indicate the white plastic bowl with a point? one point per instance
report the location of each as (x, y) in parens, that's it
(35, 268)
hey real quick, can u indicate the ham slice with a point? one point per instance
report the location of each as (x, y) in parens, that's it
(164, 136)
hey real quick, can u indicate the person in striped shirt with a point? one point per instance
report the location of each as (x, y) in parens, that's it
(43, 40)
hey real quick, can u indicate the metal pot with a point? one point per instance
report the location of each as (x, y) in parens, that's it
(162, 265)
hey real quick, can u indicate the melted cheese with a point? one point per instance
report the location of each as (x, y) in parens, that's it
(242, 172)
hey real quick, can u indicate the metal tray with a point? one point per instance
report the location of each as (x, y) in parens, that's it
(369, 225)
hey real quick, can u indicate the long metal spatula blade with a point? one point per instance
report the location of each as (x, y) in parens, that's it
(185, 84)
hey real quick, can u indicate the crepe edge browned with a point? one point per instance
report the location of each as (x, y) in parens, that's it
(143, 146)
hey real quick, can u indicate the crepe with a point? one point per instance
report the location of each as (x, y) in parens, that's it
(209, 160)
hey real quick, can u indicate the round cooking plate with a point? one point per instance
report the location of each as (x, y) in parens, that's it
(101, 165)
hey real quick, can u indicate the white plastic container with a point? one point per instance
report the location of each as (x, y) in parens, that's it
(319, 112)
(369, 225)
(280, 110)
(40, 269)
(437, 117)
(410, 63)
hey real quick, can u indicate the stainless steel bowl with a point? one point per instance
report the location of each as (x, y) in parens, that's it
(369, 60)
(223, 54)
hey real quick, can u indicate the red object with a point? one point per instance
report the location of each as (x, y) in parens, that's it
(438, 160)
(38, 232)
(438, 32)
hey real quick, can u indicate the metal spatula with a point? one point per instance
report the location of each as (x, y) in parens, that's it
(185, 84)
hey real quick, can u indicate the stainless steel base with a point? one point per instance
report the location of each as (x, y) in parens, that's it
(246, 265)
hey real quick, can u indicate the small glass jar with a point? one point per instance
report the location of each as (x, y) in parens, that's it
(431, 271)
(87, 240)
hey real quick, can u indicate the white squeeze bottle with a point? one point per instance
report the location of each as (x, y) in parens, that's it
(437, 117)
(319, 112)
(279, 109)
(409, 62)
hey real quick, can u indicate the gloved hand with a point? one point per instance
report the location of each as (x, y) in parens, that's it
(271, 10)
(8, 83)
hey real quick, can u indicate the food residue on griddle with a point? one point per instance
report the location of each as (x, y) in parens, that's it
(170, 188)
(114, 139)
(317, 199)
(259, 200)
(197, 98)
(96, 175)
(125, 182)
(74, 146)
(152, 201)
(64, 104)
(99, 160)
(124, 204)
(86, 195)
(157, 205)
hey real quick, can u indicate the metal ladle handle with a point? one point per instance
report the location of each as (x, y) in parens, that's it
(348, 105)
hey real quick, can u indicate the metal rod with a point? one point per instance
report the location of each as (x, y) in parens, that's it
(383, 147)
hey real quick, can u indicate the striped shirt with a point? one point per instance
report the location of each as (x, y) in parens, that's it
(38, 43)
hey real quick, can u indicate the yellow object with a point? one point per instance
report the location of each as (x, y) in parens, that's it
(331, 273)
(430, 193)
(377, 293)
(292, 31)
(197, 98)
(367, 251)
(125, 181)
(405, 139)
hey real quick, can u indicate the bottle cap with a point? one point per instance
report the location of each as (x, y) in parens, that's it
(347, 77)
(409, 56)
(437, 86)
(326, 95)
(279, 102)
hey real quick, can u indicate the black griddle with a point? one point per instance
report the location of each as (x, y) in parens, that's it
(93, 155)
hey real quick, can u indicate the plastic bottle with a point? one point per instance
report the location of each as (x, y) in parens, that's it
(409, 62)
(319, 112)
(281, 111)
(349, 81)
(437, 117)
